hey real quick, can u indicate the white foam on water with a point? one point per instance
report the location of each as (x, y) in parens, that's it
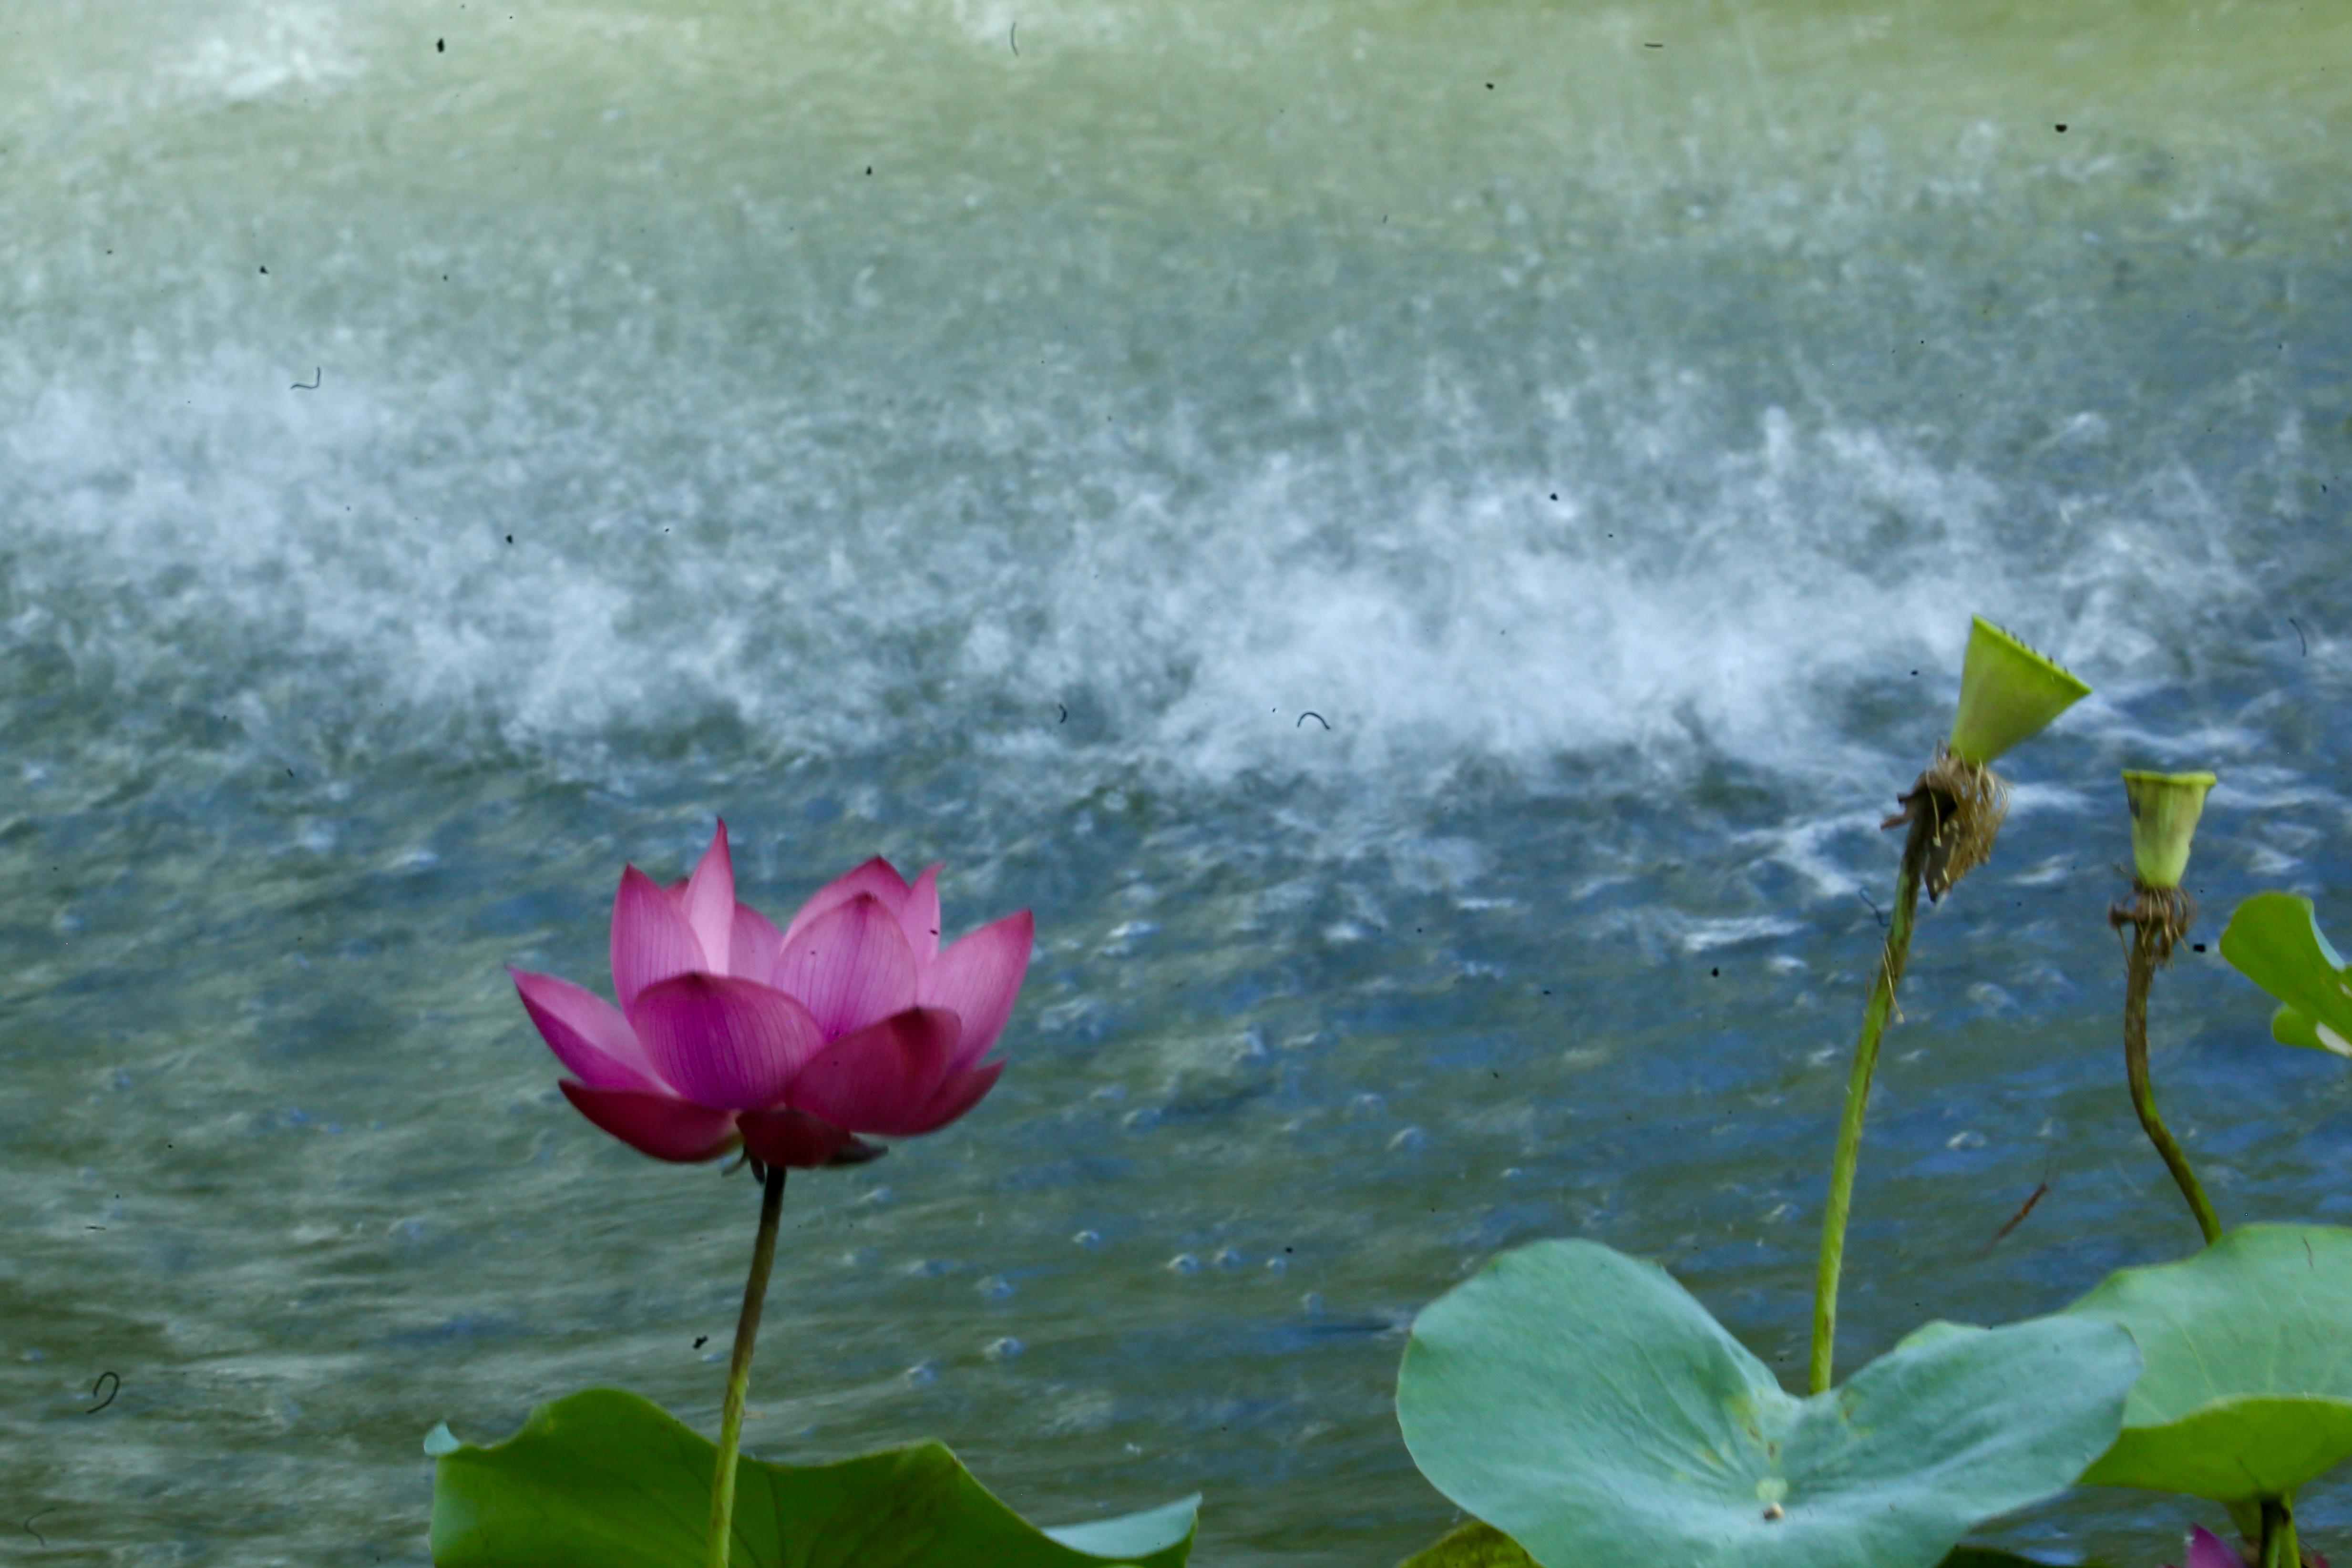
(1499, 623)
(265, 50)
(250, 549)
(1633, 556)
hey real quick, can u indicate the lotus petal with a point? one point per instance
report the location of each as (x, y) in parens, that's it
(794, 1139)
(709, 903)
(919, 917)
(753, 946)
(2207, 1550)
(661, 1125)
(586, 1032)
(725, 1043)
(879, 1078)
(877, 877)
(978, 978)
(961, 1091)
(651, 938)
(850, 967)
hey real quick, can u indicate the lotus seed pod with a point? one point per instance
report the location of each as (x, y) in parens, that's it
(2008, 693)
(2164, 808)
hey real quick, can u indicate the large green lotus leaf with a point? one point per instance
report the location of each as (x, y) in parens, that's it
(1582, 1402)
(1480, 1545)
(2273, 940)
(2248, 1391)
(606, 1480)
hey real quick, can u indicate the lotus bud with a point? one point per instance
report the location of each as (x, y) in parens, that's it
(2164, 808)
(2008, 693)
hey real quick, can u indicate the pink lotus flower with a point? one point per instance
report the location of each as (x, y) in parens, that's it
(2207, 1550)
(850, 1020)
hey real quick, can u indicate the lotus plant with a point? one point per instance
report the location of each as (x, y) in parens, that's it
(793, 1045)
(2163, 811)
(2009, 694)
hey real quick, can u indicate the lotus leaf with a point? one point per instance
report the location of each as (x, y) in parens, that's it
(2248, 1391)
(1583, 1402)
(2273, 940)
(1480, 1545)
(606, 1480)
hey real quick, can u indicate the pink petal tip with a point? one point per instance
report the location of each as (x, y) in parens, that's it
(586, 1032)
(978, 978)
(850, 967)
(652, 939)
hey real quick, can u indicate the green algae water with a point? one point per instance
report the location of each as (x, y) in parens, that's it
(1420, 539)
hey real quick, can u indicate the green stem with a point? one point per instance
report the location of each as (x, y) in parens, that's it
(2143, 1092)
(2279, 1547)
(1857, 1091)
(739, 1370)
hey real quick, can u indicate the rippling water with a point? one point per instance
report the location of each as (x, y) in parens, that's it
(988, 432)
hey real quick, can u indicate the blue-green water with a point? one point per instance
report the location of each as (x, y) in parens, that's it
(1596, 436)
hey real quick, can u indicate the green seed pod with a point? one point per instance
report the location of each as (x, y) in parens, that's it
(2008, 693)
(2164, 808)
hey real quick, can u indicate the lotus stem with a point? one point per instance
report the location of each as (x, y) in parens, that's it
(739, 1370)
(2279, 1547)
(2158, 917)
(1916, 846)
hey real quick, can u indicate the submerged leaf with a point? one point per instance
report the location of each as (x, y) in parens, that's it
(606, 1480)
(1586, 1405)
(2248, 1391)
(1476, 1544)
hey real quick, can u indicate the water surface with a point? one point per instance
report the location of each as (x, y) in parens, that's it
(1420, 539)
